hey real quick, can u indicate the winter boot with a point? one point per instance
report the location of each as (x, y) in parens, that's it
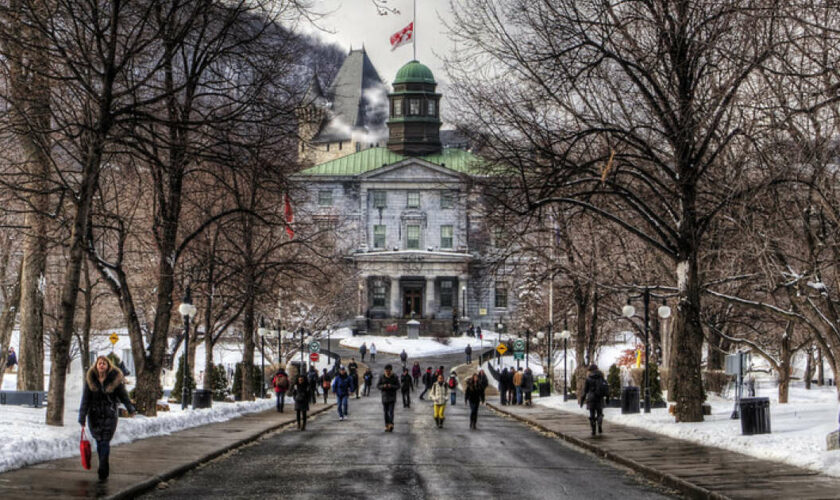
(441, 422)
(592, 423)
(437, 422)
(601, 424)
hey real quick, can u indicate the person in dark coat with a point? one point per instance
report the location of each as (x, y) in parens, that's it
(353, 367)
(368, 378)
(301, 394)
(342, 386)
(592, 395)
(312, 382)
(468, 353)
(11, 360)
(472, 395)
(388, 384)
(428, 380)
(104, 388)
(325, 384)
(483, 382)
(403, 357)
(363, 351)
(415, 373)
(527, 385)
(503, 386)
(406, 386)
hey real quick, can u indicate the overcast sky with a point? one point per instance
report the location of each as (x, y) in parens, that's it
(355, 22)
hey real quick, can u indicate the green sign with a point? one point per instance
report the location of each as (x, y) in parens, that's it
(519, 345)
(518, 355)
(315, 346)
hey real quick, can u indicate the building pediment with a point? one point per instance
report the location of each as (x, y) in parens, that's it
(412, 170)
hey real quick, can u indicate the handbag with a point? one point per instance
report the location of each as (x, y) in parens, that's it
(84, 448)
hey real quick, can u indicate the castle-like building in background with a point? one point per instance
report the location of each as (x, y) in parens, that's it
(408, 214)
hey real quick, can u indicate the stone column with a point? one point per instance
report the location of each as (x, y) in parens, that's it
(395, 298)
(430, 297)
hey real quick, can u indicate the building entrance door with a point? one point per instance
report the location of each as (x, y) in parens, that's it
(413, 302)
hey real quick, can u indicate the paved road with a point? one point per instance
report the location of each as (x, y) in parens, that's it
(356, 459)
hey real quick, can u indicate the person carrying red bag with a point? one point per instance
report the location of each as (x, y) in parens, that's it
(280, 381)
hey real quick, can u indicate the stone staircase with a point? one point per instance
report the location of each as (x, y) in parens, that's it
(397, 327)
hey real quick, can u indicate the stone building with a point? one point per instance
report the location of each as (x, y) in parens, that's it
(410, 218)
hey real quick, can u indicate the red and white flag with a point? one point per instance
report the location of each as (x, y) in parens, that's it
(290, 217)
(403, 36)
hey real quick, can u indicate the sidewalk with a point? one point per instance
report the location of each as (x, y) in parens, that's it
(695, 470)
(140, 465)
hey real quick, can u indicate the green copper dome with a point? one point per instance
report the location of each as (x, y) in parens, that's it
(414, 72)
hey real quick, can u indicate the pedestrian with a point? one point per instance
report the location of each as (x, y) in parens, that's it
(325, 384)
(104, 387)
(415, 373)
(483, 382)
(472, 395)
(280, 381)
(354, 374)
(368, 379)
(478, 332)
(372, 352)
(428, 380)
(439, 371)
(363, 351)
(452, 383)
(403, 357)
(594, 391)
(468, 353)
(388, 384)
(301, 394)
(527, 385)
(503, 386)
(517, 385)
(406, 386)
(312, 383)
(439, 395)
(342, 387)
(11, 360)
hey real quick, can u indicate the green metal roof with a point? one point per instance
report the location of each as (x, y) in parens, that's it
(366, 160)
(414, 72)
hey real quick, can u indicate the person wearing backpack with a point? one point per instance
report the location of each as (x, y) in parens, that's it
(527, 385)
(594, 391)
(368, 378)
(325, 384)
(428, 380)
(406, 386)
(452, 383)
(280, 381)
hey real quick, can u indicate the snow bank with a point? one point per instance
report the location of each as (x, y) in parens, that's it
(799, 428)
(416, 348)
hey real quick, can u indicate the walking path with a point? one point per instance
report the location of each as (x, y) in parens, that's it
(142, 464)
(696, 470)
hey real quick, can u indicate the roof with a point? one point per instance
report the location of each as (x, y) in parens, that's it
(352, 105)
(366, 160)
(414, 72)
(314, 94)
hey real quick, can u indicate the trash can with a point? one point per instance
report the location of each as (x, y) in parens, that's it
(545, 389)
(629, 400)
(755, 416)
(202, 398)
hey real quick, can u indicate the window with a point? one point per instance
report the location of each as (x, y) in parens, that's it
(430, 108)
(378, 294)
(328, 146)
(358, 146)
(378, 236)
(446, 294)
(379, 199)
(398, 107)
(325, 198)
(340, 144)
(501, 295)
(446, 236)
(413, 107)
(413, 199)
(498, 236)
(412, 234)
(447, 199)
(325, 224)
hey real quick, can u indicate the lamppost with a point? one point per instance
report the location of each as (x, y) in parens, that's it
(565, 335)
(302, 333)
(527, 346)
(664, 312)
(464, 302)
(499, 328)
(538, 341)
(188, 311)
(262, 331)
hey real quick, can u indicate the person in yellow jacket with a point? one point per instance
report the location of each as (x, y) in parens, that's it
(439, 396)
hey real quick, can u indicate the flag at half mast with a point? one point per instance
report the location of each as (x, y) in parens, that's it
(403, 36)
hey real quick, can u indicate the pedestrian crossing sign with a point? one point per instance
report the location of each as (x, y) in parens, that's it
(501, 349)
(114, 338)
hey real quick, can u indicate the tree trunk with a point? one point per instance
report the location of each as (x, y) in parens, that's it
(784, 364)
(84, 343)
(208, 345)
(7, 324)
(809, 369)
(248, 322)
(820, 368)
(688, 345)
(715, 351)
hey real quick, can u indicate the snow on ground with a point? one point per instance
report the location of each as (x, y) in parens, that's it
(798, 436)
(422, 347)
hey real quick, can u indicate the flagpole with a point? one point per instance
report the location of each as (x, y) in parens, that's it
(414, 32)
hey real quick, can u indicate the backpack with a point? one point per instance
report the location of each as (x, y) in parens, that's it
(452, 383)
(326, 383)
(602, 389)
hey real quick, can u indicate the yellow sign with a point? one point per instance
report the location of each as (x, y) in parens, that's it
(482, 311)
(501, 349)
(114, 338)
(638, 358)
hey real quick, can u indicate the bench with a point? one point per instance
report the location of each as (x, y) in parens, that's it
(35, 399)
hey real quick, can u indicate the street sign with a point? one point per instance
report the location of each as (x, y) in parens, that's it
(518, 355)
(313, 357)
(114, 338)
(482, 311)
(501, 349)
(519, 345)
(314, 346)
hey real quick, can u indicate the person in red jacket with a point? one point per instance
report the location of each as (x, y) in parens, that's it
(280, 381)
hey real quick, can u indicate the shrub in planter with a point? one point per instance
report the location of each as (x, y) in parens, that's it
(655, 384)
(220, 383)
(237, 380)
(178, 388)
(614, 381)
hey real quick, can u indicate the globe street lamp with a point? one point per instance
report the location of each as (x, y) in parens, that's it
(565, 335)
(664, 312)
(188, 311)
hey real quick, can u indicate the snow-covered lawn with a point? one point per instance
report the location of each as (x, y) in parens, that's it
(798, 436)
(418, 348)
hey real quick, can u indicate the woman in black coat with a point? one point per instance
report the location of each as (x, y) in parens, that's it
(300, 393)
(473, 396)
(593, 396)
(104, 388)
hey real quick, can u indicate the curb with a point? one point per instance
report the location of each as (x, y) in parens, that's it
(148, 484)
(669, 480)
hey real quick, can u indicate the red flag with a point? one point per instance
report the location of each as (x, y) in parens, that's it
(290, 217)
(403, 36)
